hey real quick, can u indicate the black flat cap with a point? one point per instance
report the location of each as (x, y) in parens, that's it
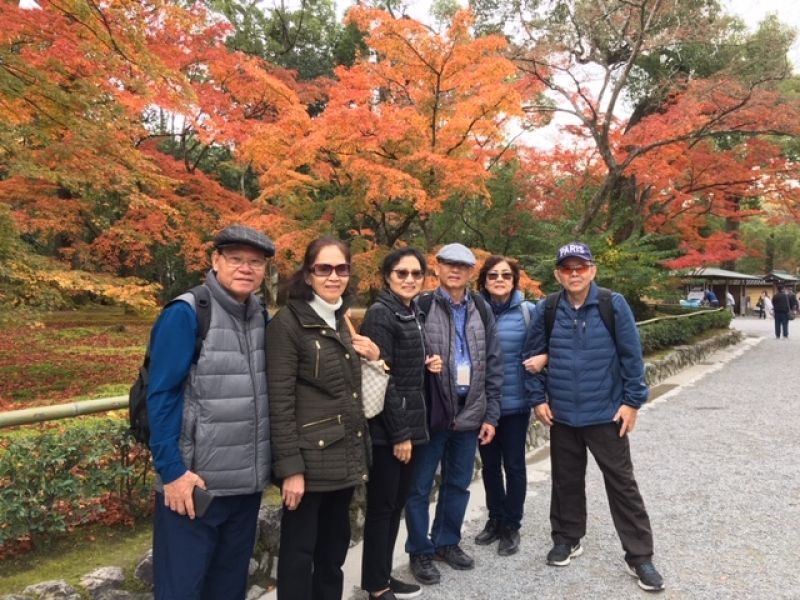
(239, 235)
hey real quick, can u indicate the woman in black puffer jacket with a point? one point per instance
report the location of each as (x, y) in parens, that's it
(392, 323)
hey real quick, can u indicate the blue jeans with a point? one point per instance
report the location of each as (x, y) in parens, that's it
(506, 453)
(456, 452)
(781, 323)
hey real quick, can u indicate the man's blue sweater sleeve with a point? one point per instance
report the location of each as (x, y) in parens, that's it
(171, 353)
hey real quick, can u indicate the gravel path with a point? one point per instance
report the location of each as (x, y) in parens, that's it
(717, 463)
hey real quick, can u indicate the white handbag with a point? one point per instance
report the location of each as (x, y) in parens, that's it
(374, 381)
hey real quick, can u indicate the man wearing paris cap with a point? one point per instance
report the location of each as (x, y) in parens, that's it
(590, 398)
(209, 424)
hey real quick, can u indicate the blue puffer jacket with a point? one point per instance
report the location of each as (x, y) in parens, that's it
(588, 376)
(511, 332)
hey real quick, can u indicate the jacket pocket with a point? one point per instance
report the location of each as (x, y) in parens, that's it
(324, 452)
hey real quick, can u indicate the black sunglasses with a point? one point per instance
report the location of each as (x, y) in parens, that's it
(402, 274)
(505, 275)
(325, 270)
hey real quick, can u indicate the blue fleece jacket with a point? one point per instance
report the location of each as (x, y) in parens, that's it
(588, 376)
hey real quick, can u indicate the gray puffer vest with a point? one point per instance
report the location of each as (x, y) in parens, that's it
(482, 404)
(225, 430)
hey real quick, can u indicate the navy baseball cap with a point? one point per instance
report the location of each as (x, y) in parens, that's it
(239, 235)
(574, 250)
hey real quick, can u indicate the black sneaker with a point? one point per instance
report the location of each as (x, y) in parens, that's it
(490, 533)
(403, 590)
(423, 569)
(509, 542)
(561, 554)
(647, 576)
(455, 557)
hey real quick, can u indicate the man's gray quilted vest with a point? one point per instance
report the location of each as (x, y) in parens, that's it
(225, 430)
(440, 332)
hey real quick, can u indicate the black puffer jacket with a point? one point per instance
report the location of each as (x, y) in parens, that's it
(398, 333)
(316, 414)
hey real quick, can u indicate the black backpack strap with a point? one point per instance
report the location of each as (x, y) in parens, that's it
(550, 304)
(424, 301)
(483, 308)
(202, 307)
(606, 308)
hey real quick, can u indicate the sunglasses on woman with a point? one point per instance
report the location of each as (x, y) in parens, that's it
(325, 270)
(494, 275)
(402, 274)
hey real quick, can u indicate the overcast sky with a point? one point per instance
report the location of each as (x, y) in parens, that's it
(751, 11)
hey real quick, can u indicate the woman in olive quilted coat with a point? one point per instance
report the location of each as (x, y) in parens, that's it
(318, 431)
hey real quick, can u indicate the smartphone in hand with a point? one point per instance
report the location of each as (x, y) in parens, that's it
(202, 500)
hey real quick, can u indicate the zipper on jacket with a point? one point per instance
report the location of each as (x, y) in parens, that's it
(253, 383)
(422, 379)
(337, 418)
(316, 365)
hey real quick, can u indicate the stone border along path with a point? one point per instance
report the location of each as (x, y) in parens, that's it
(716, 458)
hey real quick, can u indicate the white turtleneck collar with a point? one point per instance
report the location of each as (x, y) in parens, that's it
(326, 311)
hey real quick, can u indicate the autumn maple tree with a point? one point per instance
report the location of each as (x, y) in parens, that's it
(418, 122)
(674, 119)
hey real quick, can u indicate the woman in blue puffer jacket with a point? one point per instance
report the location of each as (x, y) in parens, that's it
(498, 281)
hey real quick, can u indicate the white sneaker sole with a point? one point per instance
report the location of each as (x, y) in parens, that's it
(564, 563)
(647, 588)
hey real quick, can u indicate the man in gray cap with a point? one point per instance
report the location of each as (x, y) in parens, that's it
(209, 429)
(464, 386)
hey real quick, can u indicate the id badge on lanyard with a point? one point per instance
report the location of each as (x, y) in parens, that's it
(463, 374)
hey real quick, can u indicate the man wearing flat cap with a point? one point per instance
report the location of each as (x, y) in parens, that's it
(466, 367)
(590, 397)
(209, 423)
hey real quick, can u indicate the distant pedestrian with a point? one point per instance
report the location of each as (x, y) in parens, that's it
(590, 398)
(768, 311)
(761, 306)
(710, 298)
(731, 302)
(782, 305)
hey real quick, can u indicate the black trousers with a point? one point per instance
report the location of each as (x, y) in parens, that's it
(568, 458)
(387, 490)
(314, 542)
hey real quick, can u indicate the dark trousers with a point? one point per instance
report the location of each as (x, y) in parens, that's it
(208, 557)
(781, 324)
(387, 489)
(568, 458)
(314, 542)
(506, 454)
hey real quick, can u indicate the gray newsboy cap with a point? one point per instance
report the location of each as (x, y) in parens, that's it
(239, 235)
(456, 253)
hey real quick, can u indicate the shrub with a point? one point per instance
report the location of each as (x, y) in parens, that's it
(664, 333)
(54, 478)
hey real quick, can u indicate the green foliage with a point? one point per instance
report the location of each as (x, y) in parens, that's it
(672, 332)
(52, 479)
(307, 40)
(770, 247)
